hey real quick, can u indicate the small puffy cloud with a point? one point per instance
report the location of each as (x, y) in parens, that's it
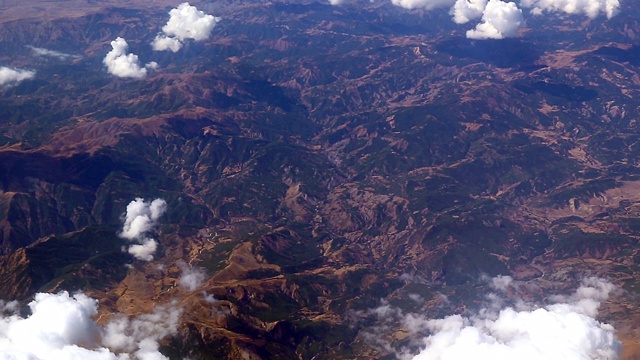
(501, 283)
(191, 277)
(140, 218)
(164, 43)
(9, 76)
(424, 4)
(209, 297)
(62, 327)
(124, 65)
(185, 22)
(499, 20)
(591, 8)
(464, 11)
(417, 298)
(145, 250)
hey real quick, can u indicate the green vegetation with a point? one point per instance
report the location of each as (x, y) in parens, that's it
(88, 259)
(289, 248)
(573, 242)
(216, 259)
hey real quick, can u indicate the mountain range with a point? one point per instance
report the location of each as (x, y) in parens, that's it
(318, 162)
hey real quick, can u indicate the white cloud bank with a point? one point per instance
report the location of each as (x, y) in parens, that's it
(185, 22)
(9, 76)
(591, 8)
(564, 330)
(61, 327)
(500, 19)
(124, 65)
(141, 218)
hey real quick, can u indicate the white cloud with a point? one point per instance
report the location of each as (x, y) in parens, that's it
(587, 299)
(62, 327)
(141, 335)
(499, 20)
(164, 43)
(185, 22)
(565, 329)
(9, 307)
(52, 53)
(502, 19)
(591, 8)
(464, 11)
(424, 4)
(9, 76)
(141, 218)
(417, 298)
(556, 333)
(124, 65)
(501, 283)
(145, 250)
(191, 277)
(209, 297)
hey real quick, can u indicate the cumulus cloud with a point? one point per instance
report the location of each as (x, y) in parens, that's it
(164, 43)
(9, 76)
(141, 218)
(565, 329)
(52, 53)
(464, 11)
(185, 22)
(499, 20)
(62, 327)
(124, 65)
(591, 8)
(192, 277)
(145, 250)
